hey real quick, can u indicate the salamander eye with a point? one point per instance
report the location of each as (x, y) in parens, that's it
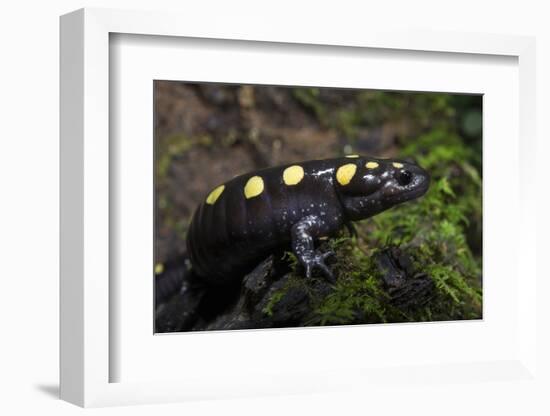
(404, 177)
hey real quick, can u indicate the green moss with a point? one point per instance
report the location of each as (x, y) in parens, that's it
(357, 295)
(276, 298)
(433, 229)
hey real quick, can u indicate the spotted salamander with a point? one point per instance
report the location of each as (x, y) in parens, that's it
(243, 220)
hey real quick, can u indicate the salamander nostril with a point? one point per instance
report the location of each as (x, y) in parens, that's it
(404, 177)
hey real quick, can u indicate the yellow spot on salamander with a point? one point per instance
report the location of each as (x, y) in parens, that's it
(345, 173)
(397, 165)
(159, 268)
(254, 187)
(214, 195)
(372, 165)
(352, 156)
(293, 175)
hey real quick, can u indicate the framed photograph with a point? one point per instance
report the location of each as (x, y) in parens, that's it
(247, 215)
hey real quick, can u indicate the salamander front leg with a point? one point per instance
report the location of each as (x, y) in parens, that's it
(303, 234)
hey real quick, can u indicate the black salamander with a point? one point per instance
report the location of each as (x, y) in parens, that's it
(241, 221)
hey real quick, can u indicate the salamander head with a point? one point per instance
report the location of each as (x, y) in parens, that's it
(368, 186)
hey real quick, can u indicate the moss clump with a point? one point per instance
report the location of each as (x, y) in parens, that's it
(434, 229)
(357, 296)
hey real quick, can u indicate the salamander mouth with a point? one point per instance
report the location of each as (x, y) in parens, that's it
(407, 185)
(419, 186)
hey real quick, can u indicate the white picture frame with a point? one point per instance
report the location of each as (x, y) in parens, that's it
(87, 302)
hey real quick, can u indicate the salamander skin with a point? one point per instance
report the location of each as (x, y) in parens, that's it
(292, 206)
